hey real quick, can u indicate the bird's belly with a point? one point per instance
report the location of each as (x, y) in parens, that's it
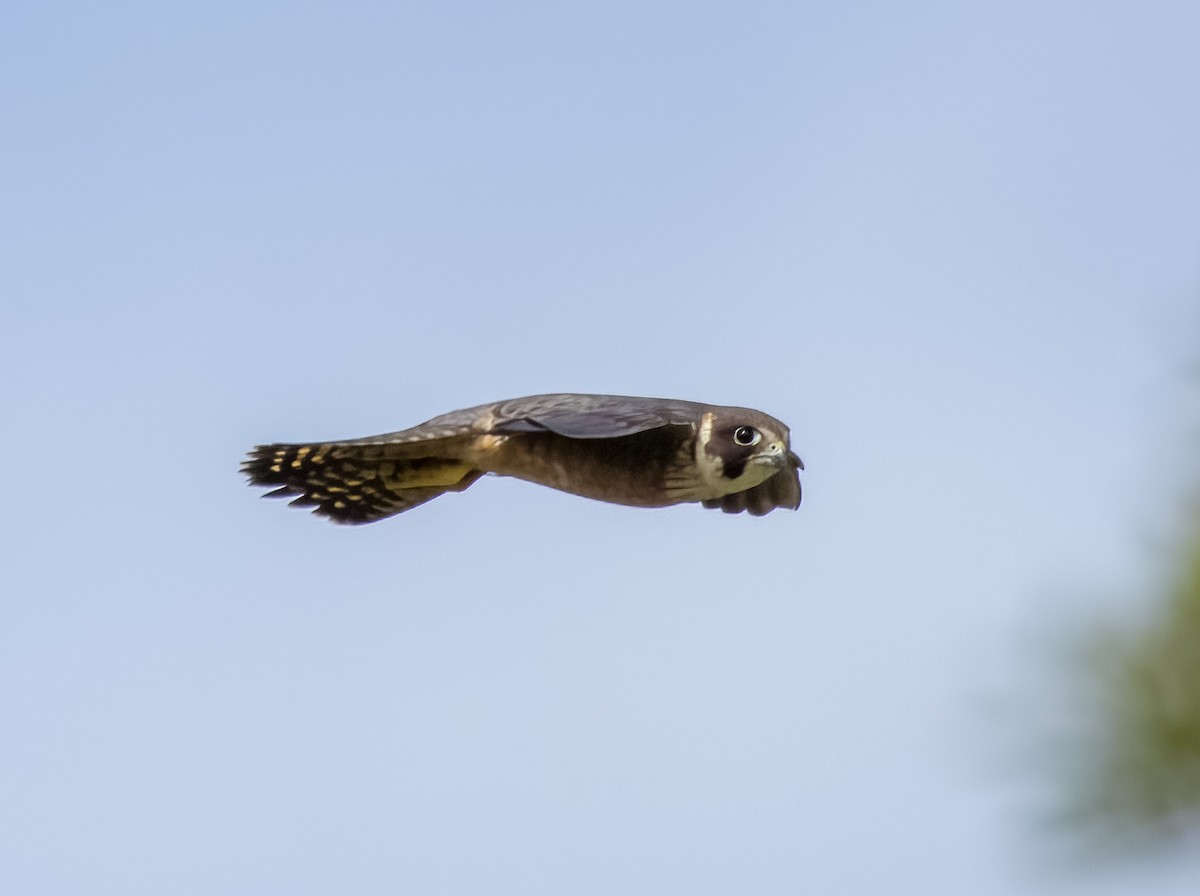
(642, 470)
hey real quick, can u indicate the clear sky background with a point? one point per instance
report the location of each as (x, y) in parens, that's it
(955, 246)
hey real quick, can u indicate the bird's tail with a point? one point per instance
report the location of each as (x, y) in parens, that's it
(357, 482)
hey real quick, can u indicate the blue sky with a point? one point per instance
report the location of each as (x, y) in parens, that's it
(954, 246)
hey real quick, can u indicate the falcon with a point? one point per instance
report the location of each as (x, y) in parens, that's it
(641, 452)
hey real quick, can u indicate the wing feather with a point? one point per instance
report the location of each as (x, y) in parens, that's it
(593, 416)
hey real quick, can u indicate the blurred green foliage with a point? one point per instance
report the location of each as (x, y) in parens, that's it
(1136, 773)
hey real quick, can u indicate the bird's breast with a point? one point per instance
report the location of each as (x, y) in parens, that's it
(647, 469)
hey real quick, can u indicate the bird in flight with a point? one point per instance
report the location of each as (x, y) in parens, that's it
(641, 452)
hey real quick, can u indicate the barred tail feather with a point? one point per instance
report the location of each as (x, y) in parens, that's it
(355, 483)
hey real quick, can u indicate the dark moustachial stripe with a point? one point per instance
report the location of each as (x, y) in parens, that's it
(733, 467)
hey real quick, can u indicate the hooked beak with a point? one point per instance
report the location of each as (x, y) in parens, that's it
(783, 457)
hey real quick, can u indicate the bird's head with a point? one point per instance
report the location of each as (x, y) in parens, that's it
(740, 448)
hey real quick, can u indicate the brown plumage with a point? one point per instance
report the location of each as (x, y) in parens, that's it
(643, 452)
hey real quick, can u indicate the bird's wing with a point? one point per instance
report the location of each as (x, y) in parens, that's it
(568, 414)
(592, 416)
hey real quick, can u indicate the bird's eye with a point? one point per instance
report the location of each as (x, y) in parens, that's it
(746, 435)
